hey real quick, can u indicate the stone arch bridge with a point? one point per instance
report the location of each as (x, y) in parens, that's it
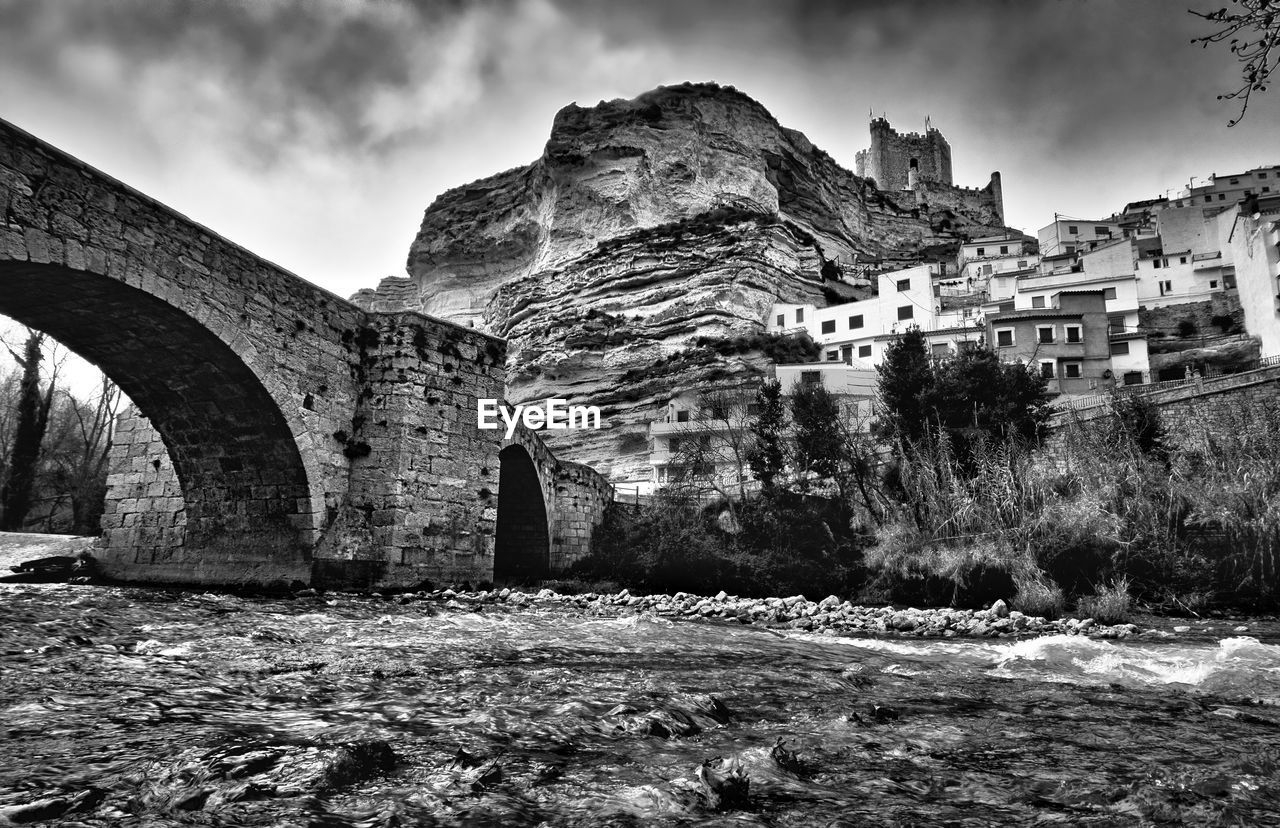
(290, 436)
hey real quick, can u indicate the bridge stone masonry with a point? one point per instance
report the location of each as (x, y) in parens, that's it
(283, 435)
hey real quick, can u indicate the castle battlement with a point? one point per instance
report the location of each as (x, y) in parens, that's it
(898, 160)
(921, 162)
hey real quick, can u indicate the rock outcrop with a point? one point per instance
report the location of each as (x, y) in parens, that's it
(646, 225)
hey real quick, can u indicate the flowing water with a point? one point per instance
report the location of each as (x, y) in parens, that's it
(136, 707)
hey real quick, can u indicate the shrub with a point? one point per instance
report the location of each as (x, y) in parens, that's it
(784, 545)
(1186, 328)
(1038, 596)
(1109, 605)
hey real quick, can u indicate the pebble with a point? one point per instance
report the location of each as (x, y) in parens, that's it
(830, 616)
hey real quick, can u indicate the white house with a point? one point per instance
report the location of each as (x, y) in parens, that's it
(861, 330)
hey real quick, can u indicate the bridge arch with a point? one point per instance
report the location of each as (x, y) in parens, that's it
(522, 539)
(244, 369)
(245, 483)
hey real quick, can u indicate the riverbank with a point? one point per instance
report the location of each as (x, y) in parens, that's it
(830, 615)
(833, 616)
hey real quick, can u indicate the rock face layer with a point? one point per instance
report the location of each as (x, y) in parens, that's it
(649, 226)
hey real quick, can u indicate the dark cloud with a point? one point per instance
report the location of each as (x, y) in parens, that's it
(316, 131)
(321, 71)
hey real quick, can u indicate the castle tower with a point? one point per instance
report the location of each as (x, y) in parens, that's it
(898, 161)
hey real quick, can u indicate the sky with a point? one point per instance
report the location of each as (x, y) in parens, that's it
(315, 132)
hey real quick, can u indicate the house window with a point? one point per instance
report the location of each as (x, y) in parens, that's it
(905, 312)
(1116, 323)
(1102, 231)
(1004, 249)
(1119, 348)
(982, 251)
(782, 319)
(1208, 199)
(1044, 333)
(986, 270)
(1071, 370)
(1022, 263)
(1074, 334)
(673, 444)
(1046, 368)
(904, 284)
(1072, 229)
(1109, 293)
(682, 416)
(810, 377)
(1155, 263)
(829, 326)
(1266, 189)
(1182, 260)
(1213, 284)
(1133, 378)
(833, 356)
(1235, 181)
(940, 349)
(846, 353)
(1166, 287)
(1228, 282)
(864, 351)
(1262, 175)
(855, 321)
(1037, 301)
(1004, 338)
(799, 315)
(1222, 197)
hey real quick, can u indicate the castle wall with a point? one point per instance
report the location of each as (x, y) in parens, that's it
(984, 206)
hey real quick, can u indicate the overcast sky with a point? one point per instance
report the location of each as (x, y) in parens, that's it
(315, 133)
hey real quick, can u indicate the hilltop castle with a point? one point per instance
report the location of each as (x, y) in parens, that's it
(921, 164)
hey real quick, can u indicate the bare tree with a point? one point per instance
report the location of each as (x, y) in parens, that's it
(1251, 28)
(31, 418)
(74, 466)
(714, 447)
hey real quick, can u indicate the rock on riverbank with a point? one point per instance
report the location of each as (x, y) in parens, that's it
(830, 615)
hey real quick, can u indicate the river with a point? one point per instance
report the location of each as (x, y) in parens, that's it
(125, 706)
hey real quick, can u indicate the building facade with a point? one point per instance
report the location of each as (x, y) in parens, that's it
(860, 331)
(1068, 342)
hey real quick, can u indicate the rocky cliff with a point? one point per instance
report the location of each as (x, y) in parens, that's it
(647, 224)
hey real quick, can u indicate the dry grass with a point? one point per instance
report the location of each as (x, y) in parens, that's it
(1111, 604)
(1040, 597)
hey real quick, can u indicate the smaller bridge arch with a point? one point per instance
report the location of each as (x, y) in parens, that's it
(522, 535)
